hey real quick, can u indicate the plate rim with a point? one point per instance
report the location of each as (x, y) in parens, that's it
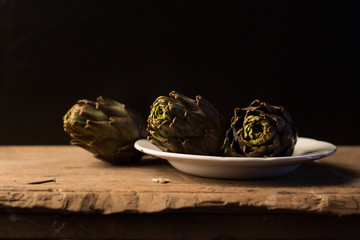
(170, 156)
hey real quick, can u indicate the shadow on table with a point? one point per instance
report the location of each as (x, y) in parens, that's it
(145, 162)
(307, 174)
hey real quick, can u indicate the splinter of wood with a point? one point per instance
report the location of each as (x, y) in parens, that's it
(44, 181)
(161, 180)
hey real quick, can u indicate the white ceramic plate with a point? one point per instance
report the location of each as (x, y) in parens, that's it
(306, 149)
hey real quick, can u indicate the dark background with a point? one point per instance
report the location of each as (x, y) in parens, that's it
(304, 55)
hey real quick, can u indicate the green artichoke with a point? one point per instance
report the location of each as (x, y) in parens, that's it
(260, 130)
(106, 128)
(183, 125)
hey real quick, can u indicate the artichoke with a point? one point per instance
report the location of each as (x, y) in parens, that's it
(260, 130)
(183, 125)
(106, 128)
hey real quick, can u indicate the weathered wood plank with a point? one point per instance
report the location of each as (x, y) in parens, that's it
(69, 179)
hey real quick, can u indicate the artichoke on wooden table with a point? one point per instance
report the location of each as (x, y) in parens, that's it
(260, 130)
(106, 128)
(183, 125)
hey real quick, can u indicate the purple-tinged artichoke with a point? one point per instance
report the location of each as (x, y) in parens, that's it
(260, 130)
(183, 125)
(106, 128)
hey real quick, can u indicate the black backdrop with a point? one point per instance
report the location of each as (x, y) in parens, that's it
(303, 55)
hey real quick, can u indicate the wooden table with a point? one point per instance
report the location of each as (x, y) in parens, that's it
(63, 192)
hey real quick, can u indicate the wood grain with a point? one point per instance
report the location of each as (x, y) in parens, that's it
(68, 179)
